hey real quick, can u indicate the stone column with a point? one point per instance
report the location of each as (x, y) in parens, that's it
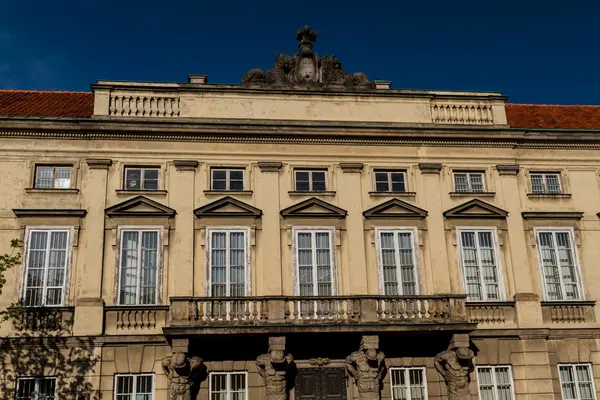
(456, 365)
(182, 372)
(274, 367)
(367, 367)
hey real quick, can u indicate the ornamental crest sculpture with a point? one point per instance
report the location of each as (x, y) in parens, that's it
(305, 69)
(367, 367)
(456, 364)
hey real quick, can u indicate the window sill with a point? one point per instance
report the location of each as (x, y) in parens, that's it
(141, 192)
(549, 195)
(505, 303)
(392, 194)
(227, 192)
(125, 307)
(588, 303)
(54, 191)
(42, 309)
(472, 194)
(311, 193)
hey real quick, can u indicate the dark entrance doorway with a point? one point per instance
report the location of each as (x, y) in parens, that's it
(321, 384)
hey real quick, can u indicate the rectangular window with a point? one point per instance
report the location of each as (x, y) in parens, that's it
(315, 262)
(480, 265)
(468, 182)
(495, 382)
(137, 178)
(227, 179)
(228, 385)
(559, 265)
(138, 267)
(47, 263)
(36, 389)
(228, 255)
(52, 177)
(310, 180)
(408, 383)
(134, 387)
(390, 181)
(398, 262)
(545, 183)
(577, 382)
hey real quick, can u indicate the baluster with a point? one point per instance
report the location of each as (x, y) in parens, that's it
(425, 309)
(200, 306)
(119, 105)
(330, 305)
(168, 108)
(312, 311)
(112, 109)
(138, 103)
(119, 320)
(247, 305)
(297, 307)
(176, 107)
(286, 309)
(255, 305)
(336, 309)
(264, 310)
(161, 107)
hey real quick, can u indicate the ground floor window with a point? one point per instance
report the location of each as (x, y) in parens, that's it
(495, 382)
(228, 385)
(408, 384)
(577, 382)
(134, 387)
(36, 389)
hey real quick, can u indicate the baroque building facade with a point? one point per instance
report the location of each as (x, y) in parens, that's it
(308, 234)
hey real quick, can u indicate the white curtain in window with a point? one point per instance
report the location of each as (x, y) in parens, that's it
(397, 258)
(479, 265)
(139, 267)
(228, 263)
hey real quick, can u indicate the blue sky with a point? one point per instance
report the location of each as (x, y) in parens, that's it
(531, 50)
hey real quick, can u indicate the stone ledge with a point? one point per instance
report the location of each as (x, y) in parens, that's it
(52, 191)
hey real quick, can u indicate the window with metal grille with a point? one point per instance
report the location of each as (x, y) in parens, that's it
(46, 267)
(227, 179)
(138, 178)
(398, 262)
(228, 252)
(559, 265)
(36, 389)
(469, 182)
(478, 249)
(545, 183)
(577, 382)
(310, 180)
(228, 385)
(314, 259)
(52, 177)
(390, 181)
(139, 255)
(495, 382)
(408, 383)
(134, 387)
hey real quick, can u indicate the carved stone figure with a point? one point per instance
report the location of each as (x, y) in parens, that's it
(255, 75)
(181, 372)
(456, 365)
(367, 367)
(273, 367)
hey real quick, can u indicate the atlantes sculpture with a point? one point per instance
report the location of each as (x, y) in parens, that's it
(306, 69)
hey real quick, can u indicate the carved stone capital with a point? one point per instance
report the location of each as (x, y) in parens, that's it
(511, 169)
(270, 166)
(98, 163)
(367, 367)
(455, 365)
(352, 167)
(185, 165)
(181, 372)
(274, 367)
(430, 168)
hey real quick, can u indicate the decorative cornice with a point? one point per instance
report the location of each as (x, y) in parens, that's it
(299, 210)
(49, 213)
(407, 211)
(552, 215)
(476, 209)
(270, 166)
(430, 168)
(212, 209)
(149, 208)
(352, 167)
(98, 163)
(510, 169)
(186, 165)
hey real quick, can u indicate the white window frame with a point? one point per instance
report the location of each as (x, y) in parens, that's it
(53, 166)
(37, 380)
(406, 373)
(572, 366)
(142, 173)
(295, 264)
(310, 178)
(497, 256)
(134, 376)
(228, 393)
(571, 232)
(159, 261)
(248, 257)
(227, 177)
(494, 381)
(544, 176)
(389, 173)
(68, 259)
(379, 255)
(469, 174)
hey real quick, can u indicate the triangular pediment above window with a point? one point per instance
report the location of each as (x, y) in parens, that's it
(139, 206)
(476, 209)
(227, 207)
(312, 208)
(395, 208)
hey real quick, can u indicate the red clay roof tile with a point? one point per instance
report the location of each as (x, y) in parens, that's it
(553, 116)
(33, 103)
